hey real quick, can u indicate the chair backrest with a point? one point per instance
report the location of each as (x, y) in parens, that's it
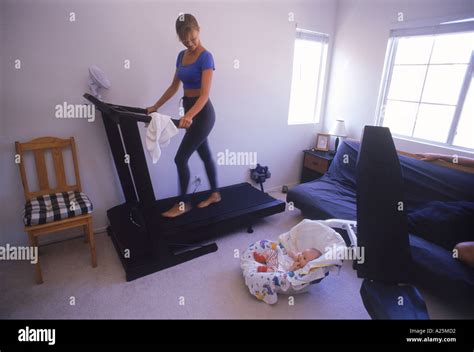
(39, 147)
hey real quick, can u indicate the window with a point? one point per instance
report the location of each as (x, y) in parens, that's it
(427, 93)
(309, 66)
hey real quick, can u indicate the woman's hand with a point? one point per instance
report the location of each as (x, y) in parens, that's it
(185, 122)
(151, 109)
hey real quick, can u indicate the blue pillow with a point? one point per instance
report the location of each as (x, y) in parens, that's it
(443, 223)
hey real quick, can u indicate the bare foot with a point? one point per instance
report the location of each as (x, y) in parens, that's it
(215, 197)
(177, 210)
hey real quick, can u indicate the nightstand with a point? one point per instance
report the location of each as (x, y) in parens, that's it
(315, 164)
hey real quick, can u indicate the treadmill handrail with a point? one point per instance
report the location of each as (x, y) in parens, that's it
(103, 107)
(130, 109)
(138, 117)
(138, 114)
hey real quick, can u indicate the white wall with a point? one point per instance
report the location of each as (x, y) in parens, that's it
(2, 120)
(4, 162)
(362, 32)
(251, 103)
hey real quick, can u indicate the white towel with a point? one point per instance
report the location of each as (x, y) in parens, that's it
(158, 134)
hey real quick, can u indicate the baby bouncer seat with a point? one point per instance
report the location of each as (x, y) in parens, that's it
(265, 286)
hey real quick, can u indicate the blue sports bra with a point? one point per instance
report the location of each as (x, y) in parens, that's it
(191, 74)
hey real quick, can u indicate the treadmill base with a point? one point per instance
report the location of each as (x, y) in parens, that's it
(147, 242)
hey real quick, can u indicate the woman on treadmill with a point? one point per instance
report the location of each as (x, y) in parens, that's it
(194, 67)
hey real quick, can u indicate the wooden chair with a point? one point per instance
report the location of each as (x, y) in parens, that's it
(38, 147)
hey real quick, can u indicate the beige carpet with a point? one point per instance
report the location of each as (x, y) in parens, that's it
(212, 286)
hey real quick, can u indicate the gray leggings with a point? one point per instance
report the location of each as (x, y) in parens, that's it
(194, 139)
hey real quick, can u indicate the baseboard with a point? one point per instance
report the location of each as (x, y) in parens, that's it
(278, 188)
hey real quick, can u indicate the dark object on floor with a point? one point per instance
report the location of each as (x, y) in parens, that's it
(388, 301)
(260, 174)
(284, 189)
(147, 242)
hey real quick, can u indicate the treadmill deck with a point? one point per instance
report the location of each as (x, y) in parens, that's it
(143, 252)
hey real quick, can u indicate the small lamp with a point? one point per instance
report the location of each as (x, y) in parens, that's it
(338, 129)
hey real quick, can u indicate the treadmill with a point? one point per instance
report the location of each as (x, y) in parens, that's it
(147, 242)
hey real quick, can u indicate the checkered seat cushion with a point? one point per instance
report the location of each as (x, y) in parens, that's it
(54, 207)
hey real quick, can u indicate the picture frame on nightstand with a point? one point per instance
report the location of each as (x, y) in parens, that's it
(322, 142)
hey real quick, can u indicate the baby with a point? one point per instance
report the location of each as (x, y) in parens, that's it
(303, 258)
(270, 259)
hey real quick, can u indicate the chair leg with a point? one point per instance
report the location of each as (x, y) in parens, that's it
(35, 243)
(86, 234)
(38, 275)
(91, 243)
